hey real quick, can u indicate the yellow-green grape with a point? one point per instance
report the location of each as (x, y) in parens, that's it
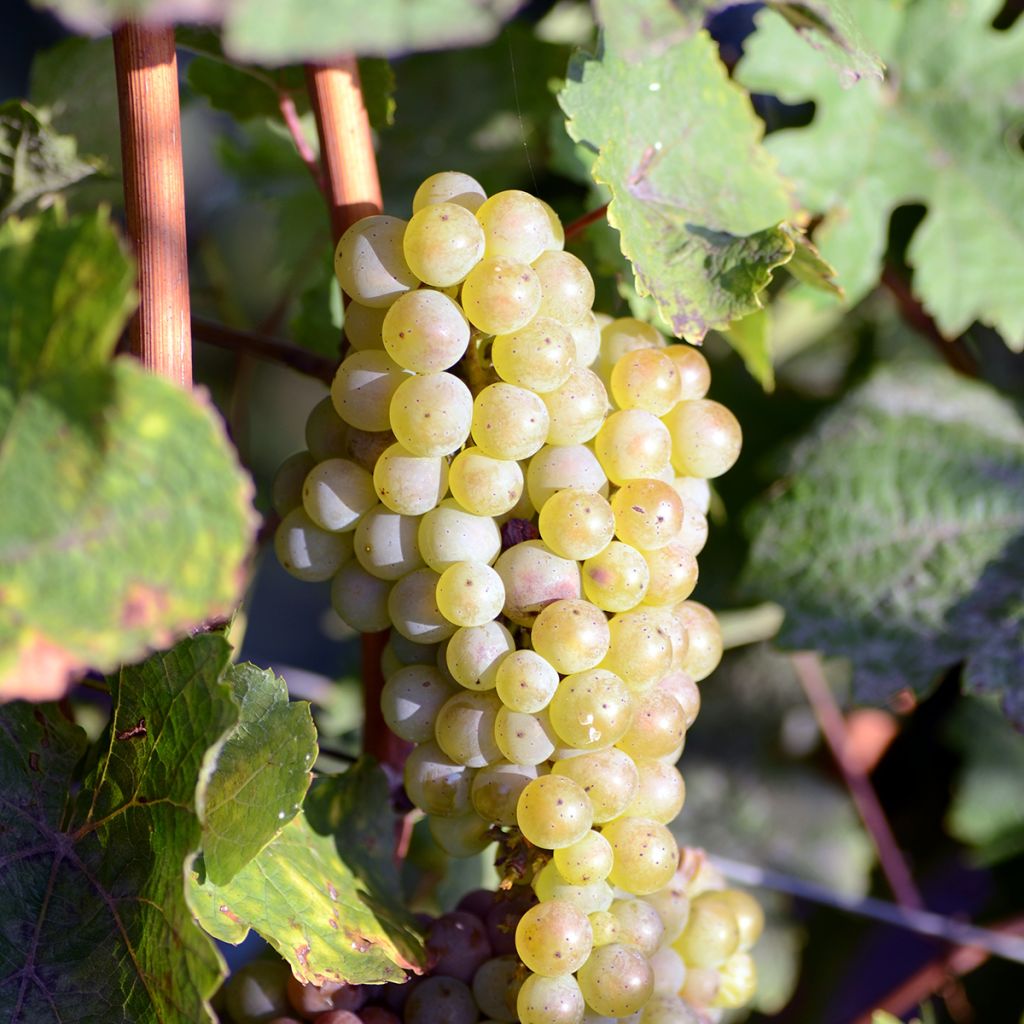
(576, 524)
(669, 973)
(474, 654)
(639, 651)
(431, 413)
(661, 794)
(749, 915)
(571, 635)
(608, 777)
(509, 422)
(365, 447)
(668, 1008)
(554, 938)
(539, 356)
(443, 242)
(704, 651)
(286, 487)
(712, 933)
(566, 287)
(646, 854)
(470, 593)
(449, 534)
(693, 534)
(623, 335)
(544, 1000)
(632, 443)
(385, 543)
(694, 372)
(496, 789)
(706, 438)
(412, 607)
(425, 331)
(306, 551)
(667, 625)
(586, 334)
(682, 687)
(640, 925)
(587, 860)
(484, 485)
(326, 432)
(591, 710)
(534, 576)
(363, 326)
(465, 728)
(411, 700)
(337, 493)
(673, 575)
(646, 379)
(695, 492)
(549, 885)
(526, 682)
(435, 783)
(557, 231)
(501, 295)
(496, 986)
(576, 408)
(617, 578)
(648, 513)
(658, 726)
(370, 264)
(604, 927)
(559, 467)
(616, 980)
(737, 982)
(363, 386)
(672, 904)
(525, 738)
(464, 836)
(449, 187)
(516, 226)
(701, 986)
(410, 484)
(361, 599)
(554, 811)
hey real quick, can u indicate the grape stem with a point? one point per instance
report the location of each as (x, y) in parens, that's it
(579, 225)
(298, 359)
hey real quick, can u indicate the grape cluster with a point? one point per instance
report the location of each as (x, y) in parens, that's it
(517, 488)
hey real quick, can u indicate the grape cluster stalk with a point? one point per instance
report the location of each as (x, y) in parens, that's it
(517, 488)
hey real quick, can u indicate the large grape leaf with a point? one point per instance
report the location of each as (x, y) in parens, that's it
(698, 203)
(325, 893)
(126, 519)
(880, 538)
(262, 772)
(941, 130)
(95, 924)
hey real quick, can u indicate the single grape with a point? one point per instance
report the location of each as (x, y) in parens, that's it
(496, 789)
(326, 431)
(639, 925)
(616, 980)
(669, 971)
(501, 295)
(534, 576)
(633, 443)
(363, 387)
(749, 915)
(474, 654)
(258, 990)
(608, 777)
(684, 689)
(737, 982)
(425, 331)
(435, 783)
(484, 485)
(550, 1000)
(554, 938)
(286, 487)
(410, 484)
(370, 264)
(516, 226)
(443, 242)
(449, 187)
(668, 1008)
(509, 422)
(361, 600)
(431, 413)
(586, 333)
(363, 325)
(526, 682)
(646, 379)
(648, 513)
(604, 926)
(694, 372)
(412, 608)
(496, 986)
(554, 811)
(701, 986)
(441, 1000)
(556, 467)
(385, 543)
(566, 287)
(616, 579)
(465, 728)
(411, 699)
(661, 793)
(706, 438)
(576, 408)
(639, 652)
(704, 651)
(673, 574)
(470, 593)
(549, 885)
(576, 524)
(524, 738)
(336, 493)
(457, 945)
(464, 836)
(308, 552)
(623, 335)
(646, 854)
(587, 860)
(657, 728)
(712, 933)
(308, 1000)
(591, 710)
(571, 635)
(449, 534)
(673, 906)
(539, 356)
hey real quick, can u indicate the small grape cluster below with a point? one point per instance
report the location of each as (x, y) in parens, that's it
(518, 489)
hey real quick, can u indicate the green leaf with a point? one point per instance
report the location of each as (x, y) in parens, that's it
(325, 893)
(262, 772)
(127, 519)
(244, 90)
(97, 926)
(934, 132)
(34, 159)
(751, 337)
(696, 199)
(882, 526)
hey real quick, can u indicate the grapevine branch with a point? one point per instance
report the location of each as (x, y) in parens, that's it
(299, 359)
(146, 69)
(579, 225)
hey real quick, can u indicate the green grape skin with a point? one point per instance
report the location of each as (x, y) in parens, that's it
(608, 777)
(516, 225)
(705, 438)
(509, 422)
(632, 443)
(646, 854)
(306, 551)
(431, 413)
(623, 335)
(749, 915)
(464, 836)
(385, 543)
(548, 884)
(571, 635)
(673, 573)
(588, 859)
(410, 484)
(550, 1000)
(701, 986)
(639, 649)
(496, 789)
(464, 728)
(470, 593)
(411, 699)
(737, 982)
(712, 932)
(681, 686)
(673, 905)
(553, 811)
(475, 653)
(500, 295)
(496, 986)
(286, 487)
(526, 682)
(360, 599)
(616, 579)
(534, 576)
(648, 513)
(363, 387)
(413, 611)
(646, 379)
(425, 331)
(566, 287)
(576, 408)
(576, 524)
(443, 242)
(557, 467)
(527, 739)
(604, 927)
(484, 485)
(658, 726)
(539, 356)
(669, 971)
(616, 980)
(436, 784)
(639, 925)
(661, 793)
(336, 493)
(554, 938)
(449, 534)
(694, 372)
(591, 710)
(370, 263)
(449, 187)
(363, 326)
(326, 433)
(586, 334)
(704, 650)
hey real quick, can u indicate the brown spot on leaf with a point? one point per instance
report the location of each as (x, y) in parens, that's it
(228, 913)
(302, 955)
(133, 732)
(142, 606)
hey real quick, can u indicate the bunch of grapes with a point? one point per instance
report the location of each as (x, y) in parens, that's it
(517, 488)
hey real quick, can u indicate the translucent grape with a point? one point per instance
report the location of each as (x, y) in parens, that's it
(668, 1008)
(516, 226)
(496, 789)
(616, 980)
(435, 783)
(566, 287)
(370, 264)
(363, 387)
(608, 777)
(695, 492)
(411, 700)
(587, 860)
(737, 982)
(526, 682)
(496, 986)
(441, 1000)
(749, 915)
(385, 543)
(571, 635)
(638, 925)
(549, 884)
(509, 422)
(704, 651)
(632, 443)
(449, 187)
(661, 793)
(484, 485)
(449, 534)
(673, 575)
(712, 932)
(681, 685)
(336, 493)
(525, 738)
(539, 356)
(701, 985)
(604, 927)
(658, 726)
(258, 990)
(363, 325)
(474, 654)
(648, 513)
(431, 414)
(554, 811)
(550, 1000)
(534, 576)
(694, 372)
(576, 524)
(669, 974)
(557, 231)
(556, 467)
(706, 438)
(410, 484)
(576, 408)
(617, 578)
(465, 728)
(412, 607)
(554, 938)
(646, 379)
(586, 334)
(425, 331)
(326, 432)
(286, 487)
(361, 599)
(501, 295)
(442, 244)
(464, 836)
(646, 854)
(638, 652)
(470, 593)
(623, 335)
(672, 905)
(591, 710)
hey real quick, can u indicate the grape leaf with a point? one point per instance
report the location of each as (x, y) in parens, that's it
(127, 519)
(34, 159)
(325, 892)
(262, 772)
(877, 538)
(938, 131)
(95, 925)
